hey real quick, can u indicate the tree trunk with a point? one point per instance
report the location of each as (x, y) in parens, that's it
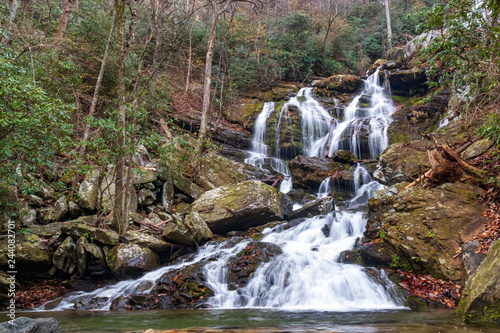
(13, 10)
(208, 76)
(121, 213)
(389, 26)
(188, 76)
(63, 22)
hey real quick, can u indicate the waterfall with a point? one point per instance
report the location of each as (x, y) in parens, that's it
(308, 275)
(259, 153)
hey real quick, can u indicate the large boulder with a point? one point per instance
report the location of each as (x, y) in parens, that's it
(176, 232)
(108, 190)
(309, 172)
(197, 227)
(28, 325)
(146, 240)
(481, 299)
(217, 171)
(30, 251)
(424, 228)
(241, 206)
(131, 260)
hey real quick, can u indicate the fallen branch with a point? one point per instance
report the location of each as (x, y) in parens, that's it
(152, 226)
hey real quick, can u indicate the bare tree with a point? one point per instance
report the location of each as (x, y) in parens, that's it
(13, 10)
(388, 16)
(63, 22)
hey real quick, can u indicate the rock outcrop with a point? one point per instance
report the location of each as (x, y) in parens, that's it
(424, 228)
(481, 299)
(131, 260)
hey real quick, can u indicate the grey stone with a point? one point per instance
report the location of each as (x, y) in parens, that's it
(64, 256)
(131, 260)
(146, 197)
(28, 325)
(176, 232)
(89, 190)
(471, 256)
(101, 235)
(477, 148)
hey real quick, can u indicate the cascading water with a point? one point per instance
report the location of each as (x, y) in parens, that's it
(308, 274)
(259, 154)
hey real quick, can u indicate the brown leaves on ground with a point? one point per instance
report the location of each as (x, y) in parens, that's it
(39, 294)
(429, 288)
(492, 228)
(186, 103)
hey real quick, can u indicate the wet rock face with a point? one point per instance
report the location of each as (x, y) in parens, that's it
(408, 82)
(481, 299)
(245, 263)
(241, 206)
(321, 206)
(309, 172)
(425, 227)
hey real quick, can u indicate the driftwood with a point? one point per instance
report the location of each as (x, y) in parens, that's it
(446, 162)
(153, 226)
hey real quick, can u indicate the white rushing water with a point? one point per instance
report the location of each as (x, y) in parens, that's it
(308, 275)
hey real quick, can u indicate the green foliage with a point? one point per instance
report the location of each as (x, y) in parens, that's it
(467, 53)
(491, 129)
(33, 124)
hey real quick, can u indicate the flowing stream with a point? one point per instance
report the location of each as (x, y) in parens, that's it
(309, 274)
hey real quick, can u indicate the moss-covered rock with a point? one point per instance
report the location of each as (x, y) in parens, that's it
(198, 228)
(131, 260)
(241, 206)
(176, 232)
(103, 236)
(88, 192)
(30, 251)
(64, 256)
(425, 227)
(148, 241)
(477, 148)
(217, 171)
(481, 299)
(408, 82)
(340, 83)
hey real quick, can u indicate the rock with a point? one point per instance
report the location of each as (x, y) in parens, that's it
(471, 256)
(198, 228)
(167, 195)
(481, 298)
(96, 259)
(144, 175)
(131, 260)
(27, 216)
(89, 190)
(245, 263)
(107, 192)
(425, 227)
(28, 325)
(241, 206)
(344, 157)
(94, 250)
(74, 209)
(35, 201)
(142, 158)
(148, 241)
(64, 257)
(217, 171)
(146, 197)
(339, 83)
(81, 255)
(408, 82)
(31, 252)
(176, 232)
(169, 171)
(309, 172)
(93, 234)
(401, 161)
(321, 206)
(55, 213)
(46, 231)
(477, 148)
(376, 254)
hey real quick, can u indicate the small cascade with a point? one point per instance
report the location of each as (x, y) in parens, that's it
(324, 188)
(259, 154)
(364, 129)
